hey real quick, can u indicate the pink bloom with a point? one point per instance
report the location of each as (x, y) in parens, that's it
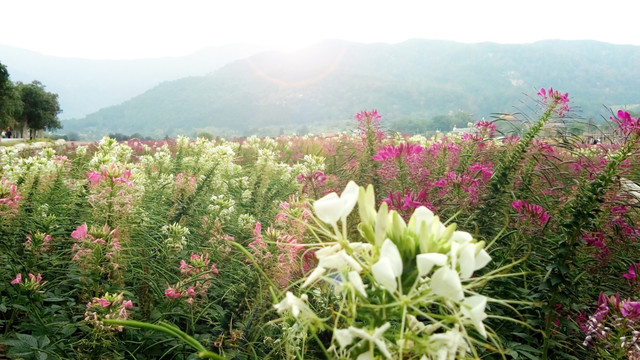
(184, 267)
(103, 302)
(172, 293)
(191, 291)
(626, 123)
(195, 256)
(214, 269)
(81, 253)
(35, 278)
(630, 309)
(127, 304)
(17, 280)
(536, 212)
(632, 273)
(80, 232)
(258, 229)
(94, 177)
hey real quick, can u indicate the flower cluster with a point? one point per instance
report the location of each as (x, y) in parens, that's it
(33, 283)
(9, 198)
(394, 152)
(196, 278)
(626, 124)
(96, 250)
(175, 236)
(419, 274)
(614, 327)
(485, 128)
(37, 243)
(555, 98)
(109, 306)
(532, 212)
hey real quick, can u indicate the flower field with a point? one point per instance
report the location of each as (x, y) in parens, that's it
(361, 245)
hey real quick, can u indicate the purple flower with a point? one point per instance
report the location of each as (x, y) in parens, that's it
(632, 273)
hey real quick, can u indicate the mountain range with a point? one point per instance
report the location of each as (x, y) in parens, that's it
(321, 87)
(85, 86)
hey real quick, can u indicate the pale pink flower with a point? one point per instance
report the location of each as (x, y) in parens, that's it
(127, 304)
(103, 302)
(17, 280)
(214, 269)
(94, 177)
(80, 232)
(172, 293)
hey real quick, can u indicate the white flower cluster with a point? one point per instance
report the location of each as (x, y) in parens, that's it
(412, 265)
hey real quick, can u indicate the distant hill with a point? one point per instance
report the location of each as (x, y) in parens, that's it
(86, 86)
(322, 86)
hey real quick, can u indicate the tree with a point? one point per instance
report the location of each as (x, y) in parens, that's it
(9, 100)
(40, 108)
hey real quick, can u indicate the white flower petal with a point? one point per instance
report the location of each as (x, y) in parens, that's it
(419, 216)
(340, 261)
(473, 308)
(328, 208)
(482, 259)
(390, 251)
(467, 260)
(461, 237)
(365, 356)
(315, 275)
(349, 199)
(356, 281)
(384, 274)
(446, 283)
(427, 261)
(343, 336)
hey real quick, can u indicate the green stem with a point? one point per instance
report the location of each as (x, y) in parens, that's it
(255, 263)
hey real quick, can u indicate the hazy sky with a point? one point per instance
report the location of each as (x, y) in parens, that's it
(128, 29)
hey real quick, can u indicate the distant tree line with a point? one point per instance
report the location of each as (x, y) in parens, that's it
(27, 106)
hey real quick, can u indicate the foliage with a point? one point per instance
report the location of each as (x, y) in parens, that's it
(39, 109)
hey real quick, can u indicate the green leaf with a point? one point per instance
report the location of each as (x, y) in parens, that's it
(28, 339)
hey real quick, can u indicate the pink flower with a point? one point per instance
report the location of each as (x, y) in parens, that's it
(184, 267)
(214, 269)
(103, 302)
(258, 229)
(17, 280)
(632, 273)
(536, 212)
(191, 291)
(80, 232)
(172, 293)
(94, 177)
(35, 278)
(626, 123)
(127, 304)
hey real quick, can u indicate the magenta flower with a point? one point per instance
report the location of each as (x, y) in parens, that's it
(630, 309)
(172, 293)
(368, 116)
(17, 280)
(80, 232)
(393, 152)
(214, 269)
(626, 123)
(94, 177)
(632, 273)
(556, 98)
(535, 212)
(191, 291)
(103, 302)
